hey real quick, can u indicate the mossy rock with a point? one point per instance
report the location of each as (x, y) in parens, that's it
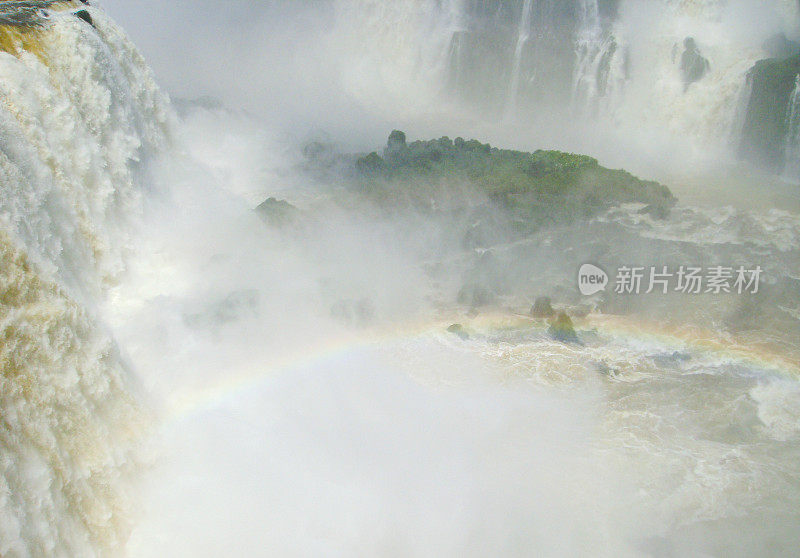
(458, 329)
(563, 330)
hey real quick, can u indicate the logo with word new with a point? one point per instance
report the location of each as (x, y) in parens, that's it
(591, 279)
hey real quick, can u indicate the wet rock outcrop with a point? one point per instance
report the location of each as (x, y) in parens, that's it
(458, 330)
(770, 84)
(85, 16)
(693, 65)
(277, 213)
(562, 329)
(542, 308)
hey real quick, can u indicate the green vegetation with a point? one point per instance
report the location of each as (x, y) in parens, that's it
(563, 330)
(533, 189)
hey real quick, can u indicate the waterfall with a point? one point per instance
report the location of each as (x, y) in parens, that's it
(736, 131)
(80, 116)
(792, 154)
(600, 63)
(588, 44)
(571, 60)
(523, 34)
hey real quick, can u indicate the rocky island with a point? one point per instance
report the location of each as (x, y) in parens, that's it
(533, 189)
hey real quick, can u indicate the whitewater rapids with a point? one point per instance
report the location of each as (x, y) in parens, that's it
(175, 382)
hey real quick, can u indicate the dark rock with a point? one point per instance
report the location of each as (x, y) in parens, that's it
(542, 308)
(320, 154)
(603, 368)
(480, 54)
(397, 141)
(277, 213)
(485, 226)
(563, 330)
(693, 65)
(458, 329)
(487, 273)
(604, 67)
(656, 211)
(764, 129)
(84, 15)
(671, 360)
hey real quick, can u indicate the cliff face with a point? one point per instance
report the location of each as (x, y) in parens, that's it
(516, 51)
(766, 127)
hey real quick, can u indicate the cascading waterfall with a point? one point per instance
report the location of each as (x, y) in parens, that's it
(736, 130)
(81, 121)
(523, 34)
(600, 69)
(409, 41)
(576, 61)
(588, 46)
(80, 116)
(509, 55)
(632, 77)
(792, 157)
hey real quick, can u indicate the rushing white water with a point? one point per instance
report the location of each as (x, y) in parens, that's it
(306, 396)
(523, 34)
(792, 157)
(588, 45)
(80, 114)
(287, 431)
(541, 61)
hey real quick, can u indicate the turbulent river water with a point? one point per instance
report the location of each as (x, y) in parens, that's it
(179, 379)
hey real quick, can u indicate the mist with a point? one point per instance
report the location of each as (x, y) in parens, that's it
(311, 397)
(356, 69)
(304, 278)
(275, 60)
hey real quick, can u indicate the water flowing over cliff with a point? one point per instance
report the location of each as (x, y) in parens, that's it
(792, 153)
(672, 70)
(219, 340)
(79, 114)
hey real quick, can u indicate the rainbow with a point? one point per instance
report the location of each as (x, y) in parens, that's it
(337, 350)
